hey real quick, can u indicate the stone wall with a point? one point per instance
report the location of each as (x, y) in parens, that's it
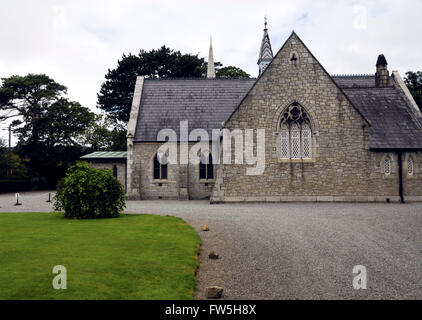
(198, 190)
(342, 169)
(377, 185)
(121, 169)
(183, 180)
(386, 186)
(412, 183)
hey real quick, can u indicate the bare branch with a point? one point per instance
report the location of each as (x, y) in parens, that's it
(9, 117)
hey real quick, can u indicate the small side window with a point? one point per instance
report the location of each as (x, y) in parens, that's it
(410, 166)
(294, 58)
(387, 165)
(115, 171)
(160, 167)
(206, 168)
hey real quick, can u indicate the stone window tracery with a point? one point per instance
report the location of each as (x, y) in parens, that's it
(295, 133)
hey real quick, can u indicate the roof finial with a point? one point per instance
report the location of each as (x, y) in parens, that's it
(265, 18)
(211, 67)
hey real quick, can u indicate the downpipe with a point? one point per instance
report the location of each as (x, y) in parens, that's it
(400, 156)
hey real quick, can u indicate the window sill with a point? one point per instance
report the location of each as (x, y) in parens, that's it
(204, 181)
(296, 160)
(160, 181)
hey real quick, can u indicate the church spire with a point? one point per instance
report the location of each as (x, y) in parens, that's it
(266, 53)
(211, 67)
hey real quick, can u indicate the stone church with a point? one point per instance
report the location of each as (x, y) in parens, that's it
(347, 138)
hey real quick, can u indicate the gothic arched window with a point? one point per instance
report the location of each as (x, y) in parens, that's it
(206, 168)
(115, 171)
(295, 133)
(160, 167)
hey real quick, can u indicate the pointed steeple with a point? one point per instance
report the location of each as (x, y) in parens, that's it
(266, 53)
(211, 67)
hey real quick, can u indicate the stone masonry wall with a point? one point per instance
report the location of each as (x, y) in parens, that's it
(386, 186)
(412, 183)
(121, 169)
(342, 165)
(180, 177)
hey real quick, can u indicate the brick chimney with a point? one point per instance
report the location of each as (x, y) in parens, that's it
(382, 77)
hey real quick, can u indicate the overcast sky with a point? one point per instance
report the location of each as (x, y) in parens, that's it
(76, 41)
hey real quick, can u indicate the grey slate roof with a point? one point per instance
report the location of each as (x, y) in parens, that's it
(207, 103)
(393, 125)
(353, 81)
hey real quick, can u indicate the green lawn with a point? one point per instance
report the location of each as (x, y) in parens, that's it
(131, 257)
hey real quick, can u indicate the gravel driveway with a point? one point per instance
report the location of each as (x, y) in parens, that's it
(298, 251)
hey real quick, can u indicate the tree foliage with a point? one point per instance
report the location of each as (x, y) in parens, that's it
(116, 93)
(12, 167)
(89, 193)
(231, 72)
(413, 81)
(105, 135)
(43, 114)
(28, 98)
(48, 125)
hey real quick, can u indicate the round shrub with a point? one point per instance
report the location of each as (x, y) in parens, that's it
(89, 193)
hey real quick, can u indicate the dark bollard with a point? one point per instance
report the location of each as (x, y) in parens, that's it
(49, 197)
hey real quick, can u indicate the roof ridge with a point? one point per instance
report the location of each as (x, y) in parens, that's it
(367, 87)
(202, 79)
(353, 75)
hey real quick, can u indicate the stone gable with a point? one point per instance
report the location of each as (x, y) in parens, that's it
(340, 135)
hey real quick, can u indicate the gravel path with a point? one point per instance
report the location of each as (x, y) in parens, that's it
(31, 201)
(298, 251)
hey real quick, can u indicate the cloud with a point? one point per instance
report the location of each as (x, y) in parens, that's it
(75, 42)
